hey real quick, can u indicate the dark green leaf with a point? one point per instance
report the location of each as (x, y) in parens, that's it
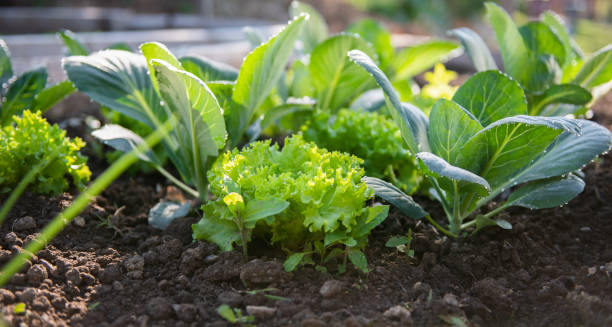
(491, 96)
(556, 24)
(563, 93)
(541, 40)
(412, 121)
(6, 69)
(476, 49)
(208, 69)
(547, 193)
(22, 92)
(293, 261)
(48, 97)
(447, 175)
(118, 80)
(371, 100)
(72, 43)
(450, 126)
(500, 150)
(396, 241)
(358, 259)
(396, 197)
(336, 79)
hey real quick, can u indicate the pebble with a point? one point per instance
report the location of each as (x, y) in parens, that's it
(185, 312)
(36, 274)
(110, 274)
(73, 276)
(79, 221)
(260, 312)
(450, 299)
(192, 259)
(398, 312)
(331, 288)
(6, 296)
(263, 272)
(24, 223)
(134, 263)
(233, 299)
(41, 303)
(159, 308)
(585, 229)
(12, 239)
(26, 295)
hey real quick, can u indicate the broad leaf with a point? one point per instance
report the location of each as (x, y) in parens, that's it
(124, 140)
(260, 209)
(500, 150)
(293, 261)
(547, 193)
(491, 96)
(278, 112)
(262, 68)
(195, 104)
(6, 69)
(396, 197)
(118, 80)
(450, 126)
(396, 241)
(373, 32)
(417, 59)
(568, 153)
(208, 70)
(597, 70)
(48, 97)
(556, 24)
(373, 217)
(74, 46)
(541, 40)
(371, 100)
(315, 30)
(22, 92)
(358, 259)
(412, 121)
(336, 79)
(515, 53)
(448, 175)
(222, 232)
(563, 93)
(164, 212)
(156, 50)
(476, 49)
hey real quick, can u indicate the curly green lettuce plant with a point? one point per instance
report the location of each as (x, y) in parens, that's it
(483, 143)
(155, 85)
(305, 199)
(367, 135)
(26, 91)
(32, 140)
(557, 77)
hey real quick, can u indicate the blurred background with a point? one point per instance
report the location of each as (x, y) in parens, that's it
(214, 28)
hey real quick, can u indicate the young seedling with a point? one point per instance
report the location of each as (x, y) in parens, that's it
(235, 316)
(555, 74)
(482, 143)
(402, 243)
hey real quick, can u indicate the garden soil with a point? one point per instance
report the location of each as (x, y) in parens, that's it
(110, 268)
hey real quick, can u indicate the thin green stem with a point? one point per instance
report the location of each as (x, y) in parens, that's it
(10, 202)
(440, 228)
(177, 182)
(62, 219)
(445, 204)
(455, 221)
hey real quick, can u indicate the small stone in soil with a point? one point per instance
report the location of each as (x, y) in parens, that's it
(263, 272)
(331, 288)
(185, 312)
(230, 298)
(159, 308)
(24, 223)
(6, 296)
(12, 239)
(79, 221)
(398, 312)
(110, 274)
(134, 263)
(36, 274)
(260, 312)
(73, 276)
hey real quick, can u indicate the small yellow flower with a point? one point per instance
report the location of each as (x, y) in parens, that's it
(439, 79)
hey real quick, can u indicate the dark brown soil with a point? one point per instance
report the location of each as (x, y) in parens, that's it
(109, 268)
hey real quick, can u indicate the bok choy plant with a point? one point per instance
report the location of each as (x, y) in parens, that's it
(557, 77)
(482, 143)
(27, 91)
(155, 85)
